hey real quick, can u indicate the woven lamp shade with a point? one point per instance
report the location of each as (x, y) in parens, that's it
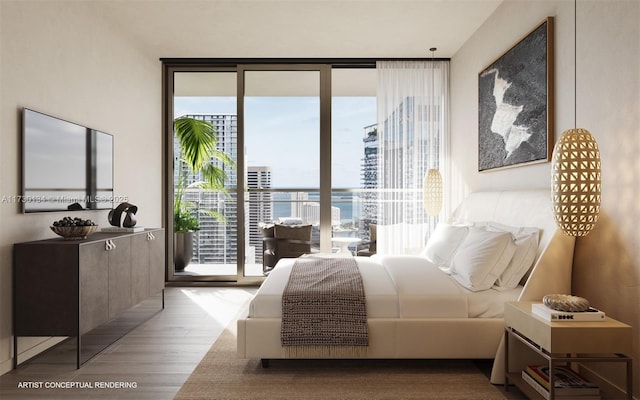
(575, 181)
(432, 192)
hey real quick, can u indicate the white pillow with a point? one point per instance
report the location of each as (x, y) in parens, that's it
(482, 257)
(526, 240)
(443, 243)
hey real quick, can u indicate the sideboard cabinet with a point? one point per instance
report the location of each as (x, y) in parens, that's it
(95, 290)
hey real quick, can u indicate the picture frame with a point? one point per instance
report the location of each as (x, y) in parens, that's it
(516, 103)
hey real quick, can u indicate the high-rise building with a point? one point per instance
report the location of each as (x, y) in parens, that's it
(369, 179)
(402, 162)
(298, 200)
(310, 213)
(260, 207)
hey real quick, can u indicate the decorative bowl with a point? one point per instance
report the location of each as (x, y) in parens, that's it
(74, 232)
(566, 302)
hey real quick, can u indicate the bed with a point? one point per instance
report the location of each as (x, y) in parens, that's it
(415, 309)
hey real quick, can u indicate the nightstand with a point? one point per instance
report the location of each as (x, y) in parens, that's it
(561, 343)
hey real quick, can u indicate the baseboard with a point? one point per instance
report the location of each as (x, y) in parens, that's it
(6, 366)
(38, 348)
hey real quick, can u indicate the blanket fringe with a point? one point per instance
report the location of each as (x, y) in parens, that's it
(320, 351)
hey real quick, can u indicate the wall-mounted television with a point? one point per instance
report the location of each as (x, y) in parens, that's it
(65, 166)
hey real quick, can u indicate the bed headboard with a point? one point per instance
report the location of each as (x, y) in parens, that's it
(551, 272)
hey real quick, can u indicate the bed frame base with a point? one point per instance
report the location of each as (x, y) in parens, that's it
(443, 338)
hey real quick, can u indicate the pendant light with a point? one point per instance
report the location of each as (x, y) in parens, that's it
(433, 192)
(432, 185)
(575, 173)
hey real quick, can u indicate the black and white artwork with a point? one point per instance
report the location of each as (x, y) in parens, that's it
(515, 103)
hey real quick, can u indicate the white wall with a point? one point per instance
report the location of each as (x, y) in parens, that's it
(607, 262)
(63, 60)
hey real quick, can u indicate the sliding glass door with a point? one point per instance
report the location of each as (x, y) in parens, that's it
(206, 218)
(282, 131)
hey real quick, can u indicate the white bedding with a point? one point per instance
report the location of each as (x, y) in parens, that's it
(397, 287)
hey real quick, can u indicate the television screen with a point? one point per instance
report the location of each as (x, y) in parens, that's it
(65, 166)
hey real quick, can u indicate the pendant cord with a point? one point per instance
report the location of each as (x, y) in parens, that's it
(575, 63)
(431, 116)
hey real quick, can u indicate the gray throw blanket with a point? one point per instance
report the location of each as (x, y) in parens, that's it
(323, 309)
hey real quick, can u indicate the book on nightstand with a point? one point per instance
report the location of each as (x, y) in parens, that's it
(548, 314)
(568, 384)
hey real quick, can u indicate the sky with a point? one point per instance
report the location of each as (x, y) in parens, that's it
(283, 133)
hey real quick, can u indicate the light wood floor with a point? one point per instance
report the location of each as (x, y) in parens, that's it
(158, 356)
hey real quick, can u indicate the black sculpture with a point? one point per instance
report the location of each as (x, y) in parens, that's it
(115, 215)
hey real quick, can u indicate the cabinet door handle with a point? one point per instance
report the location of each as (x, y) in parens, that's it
(150, 236)
(109, 245)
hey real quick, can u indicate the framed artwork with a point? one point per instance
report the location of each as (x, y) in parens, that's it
(515, 103)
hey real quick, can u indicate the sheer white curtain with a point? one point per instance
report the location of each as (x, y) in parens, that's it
(413, 113)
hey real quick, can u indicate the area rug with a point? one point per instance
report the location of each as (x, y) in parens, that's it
(222, 375)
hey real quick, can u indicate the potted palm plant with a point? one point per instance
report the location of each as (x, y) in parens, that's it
(197, 140)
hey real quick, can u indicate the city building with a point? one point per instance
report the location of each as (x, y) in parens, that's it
(369, 180)
(260, 206)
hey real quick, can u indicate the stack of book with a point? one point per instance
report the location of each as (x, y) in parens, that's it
(568, 384)
(549, 314)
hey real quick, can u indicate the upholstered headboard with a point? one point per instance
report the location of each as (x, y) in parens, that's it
(551, 272)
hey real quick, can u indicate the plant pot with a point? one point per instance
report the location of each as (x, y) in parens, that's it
(182, 249)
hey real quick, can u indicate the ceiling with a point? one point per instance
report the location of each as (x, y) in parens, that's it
(296, 28)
